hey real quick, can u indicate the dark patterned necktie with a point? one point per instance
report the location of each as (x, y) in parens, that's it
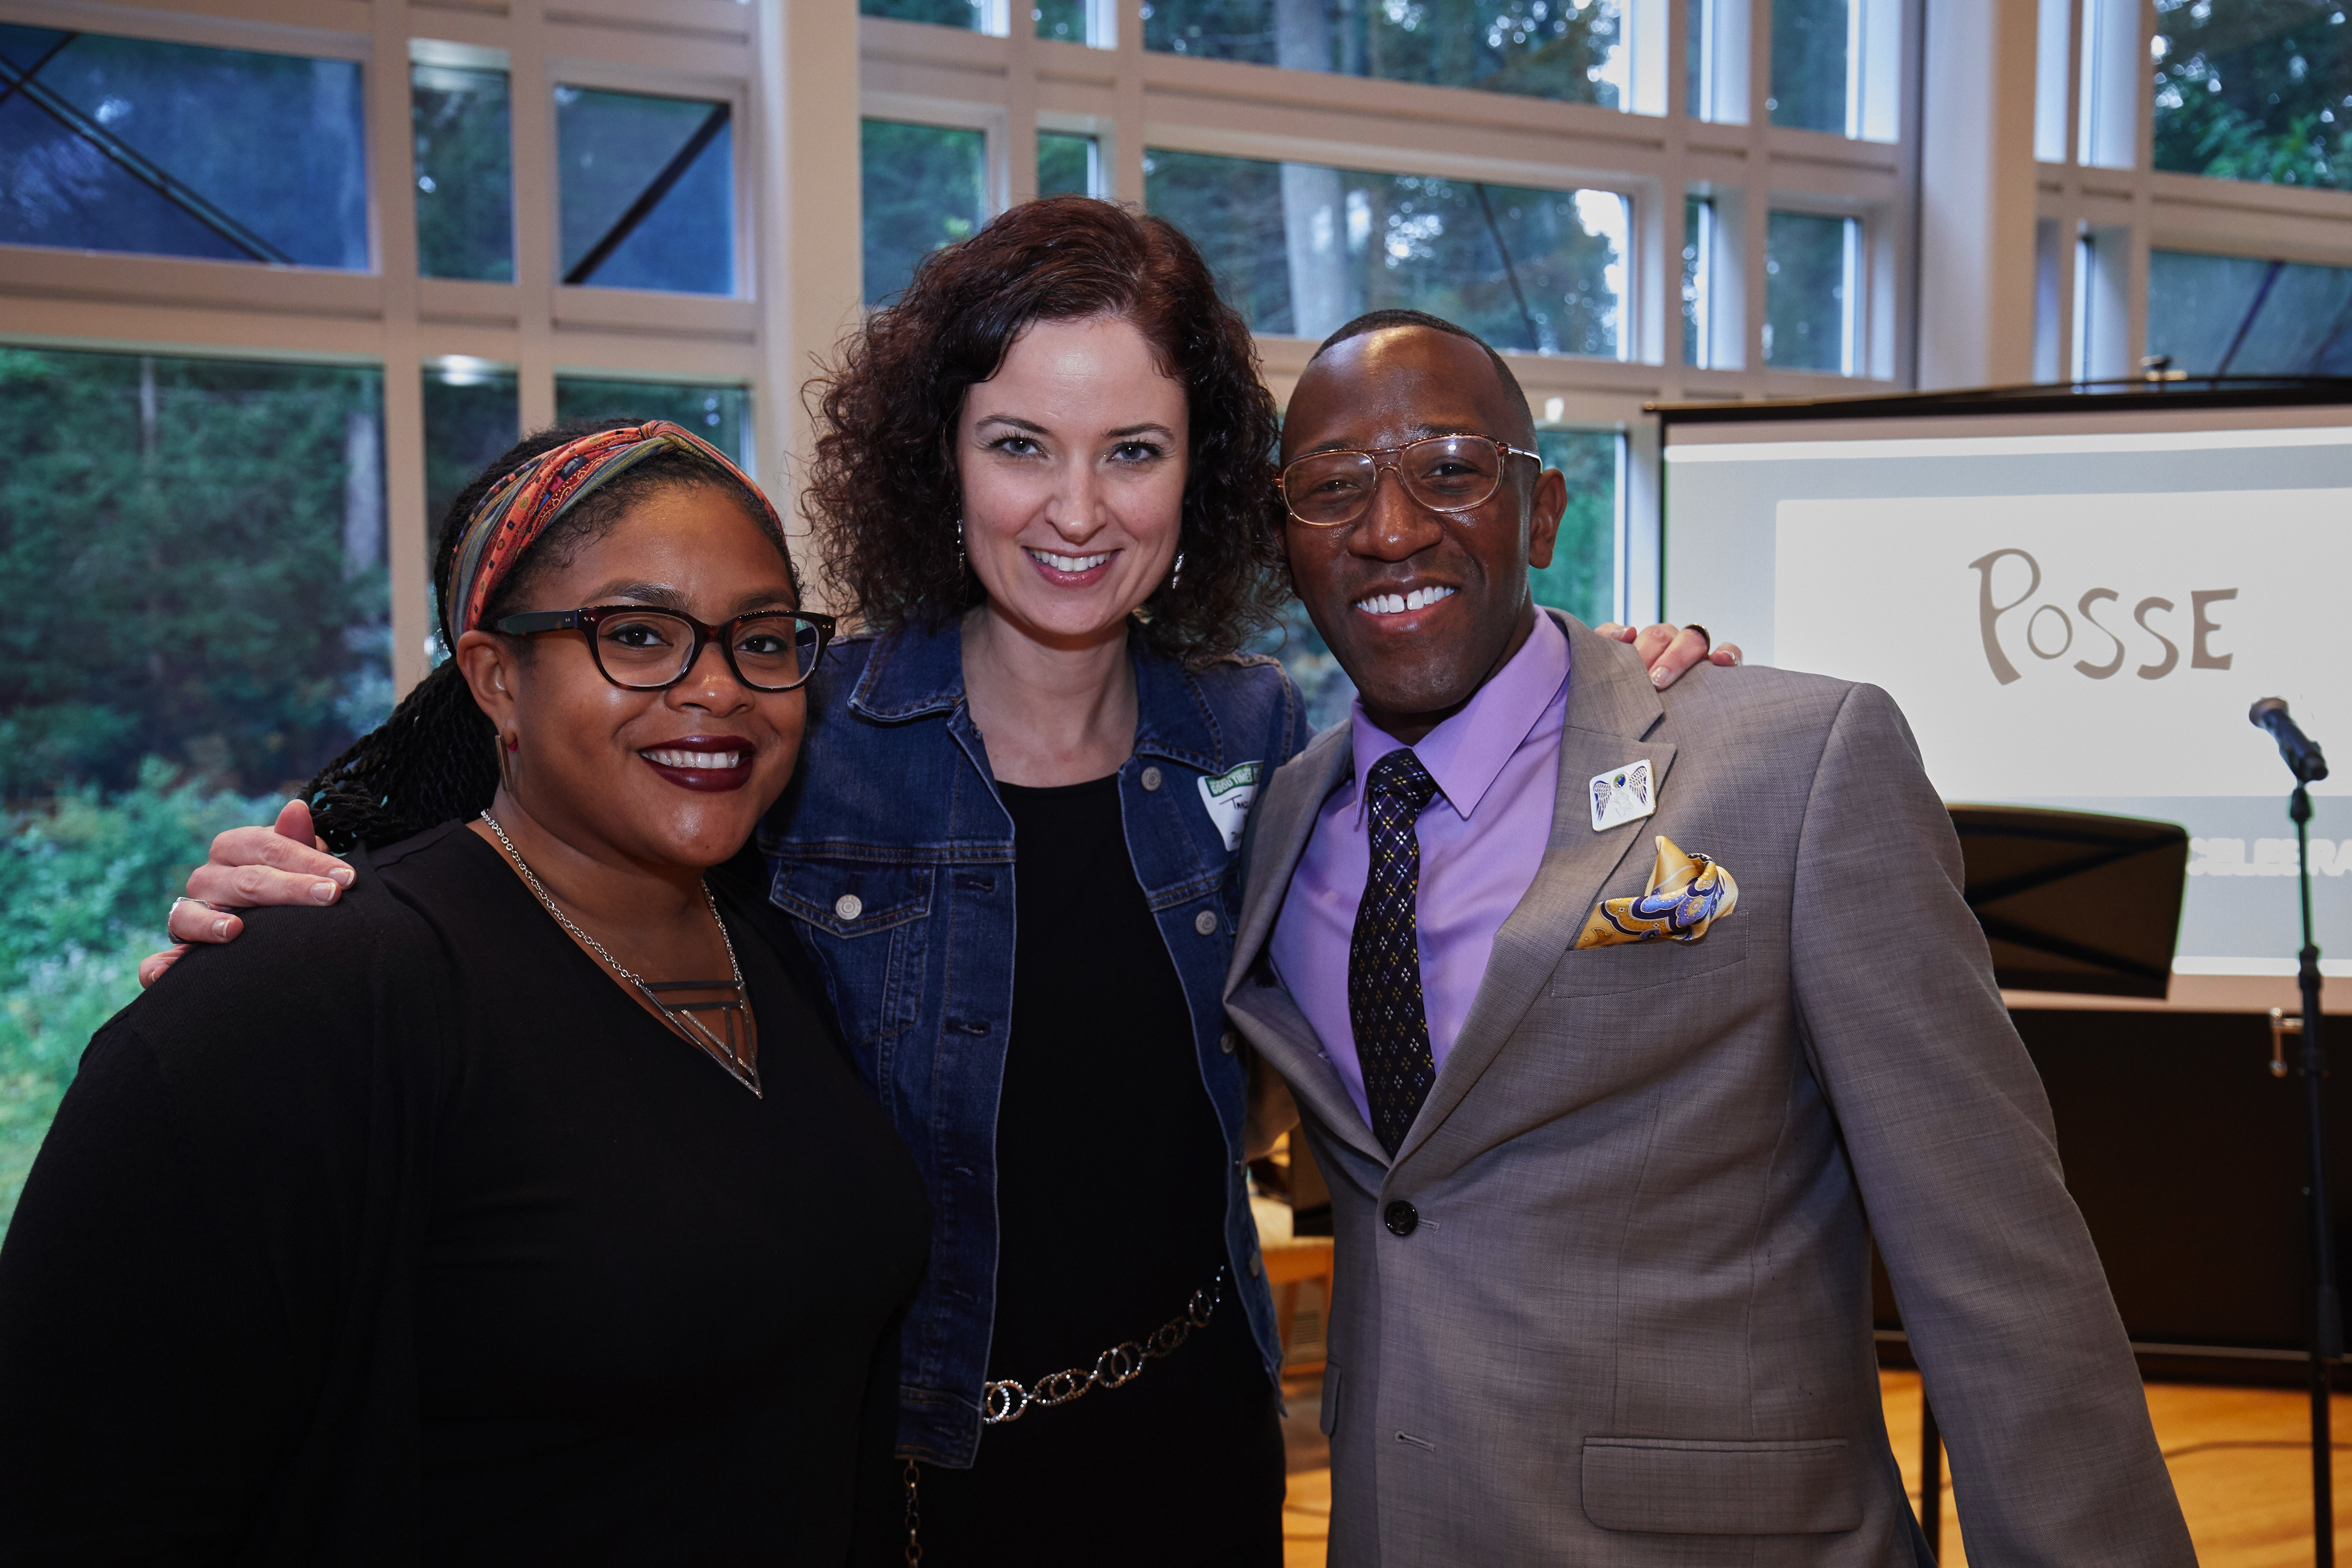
(1385, 1004)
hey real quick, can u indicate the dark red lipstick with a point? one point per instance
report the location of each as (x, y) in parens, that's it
(710, 763)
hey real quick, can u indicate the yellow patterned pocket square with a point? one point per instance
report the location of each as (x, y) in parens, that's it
(1687, 893)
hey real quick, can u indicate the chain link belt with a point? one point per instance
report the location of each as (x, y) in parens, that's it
(1121, 1364)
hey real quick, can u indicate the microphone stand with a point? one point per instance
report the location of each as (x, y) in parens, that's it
(2327, 1326)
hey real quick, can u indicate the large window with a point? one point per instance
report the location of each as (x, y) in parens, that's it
(195, 550)
(1302, 249)
(127, 145)
(647, 191)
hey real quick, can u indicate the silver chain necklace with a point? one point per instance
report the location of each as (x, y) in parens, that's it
(723, 1051)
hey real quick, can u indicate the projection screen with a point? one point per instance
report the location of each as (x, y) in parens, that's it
(2073, 597)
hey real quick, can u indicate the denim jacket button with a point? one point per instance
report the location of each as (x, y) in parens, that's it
(1205, 922)
(848, 906)
(1150, 780)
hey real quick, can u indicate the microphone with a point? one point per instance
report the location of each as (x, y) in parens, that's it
(2301, 752)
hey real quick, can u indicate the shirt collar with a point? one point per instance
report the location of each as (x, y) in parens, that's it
(1466, 753)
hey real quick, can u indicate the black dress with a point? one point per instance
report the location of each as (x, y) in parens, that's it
(1110, 1209)
(398, 1232)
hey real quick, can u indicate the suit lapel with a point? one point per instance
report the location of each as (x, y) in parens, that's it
(1285, 817)
(1611, 706)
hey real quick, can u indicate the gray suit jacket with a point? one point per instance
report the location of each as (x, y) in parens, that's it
(1632, 1324)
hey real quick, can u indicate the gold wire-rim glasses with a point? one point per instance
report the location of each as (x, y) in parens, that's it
(1421, 481)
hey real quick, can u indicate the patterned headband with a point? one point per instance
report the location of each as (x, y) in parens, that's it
(521, 507)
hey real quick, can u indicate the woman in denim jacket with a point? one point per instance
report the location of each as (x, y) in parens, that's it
(1042, 477)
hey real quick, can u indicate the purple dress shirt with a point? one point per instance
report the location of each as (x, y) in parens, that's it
(1496, 764)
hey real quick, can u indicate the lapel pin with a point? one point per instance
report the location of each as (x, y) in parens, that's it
(1623, 795)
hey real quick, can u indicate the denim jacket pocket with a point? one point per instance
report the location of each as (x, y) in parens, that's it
(864, 924)
(851, 898)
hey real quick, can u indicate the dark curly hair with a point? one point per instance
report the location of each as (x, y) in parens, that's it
(436, 757)
(883, 494)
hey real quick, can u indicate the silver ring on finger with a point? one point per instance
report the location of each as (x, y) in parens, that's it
(174, 910)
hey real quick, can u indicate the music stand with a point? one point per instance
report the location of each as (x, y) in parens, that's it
(2075, 902)
(2072, 902)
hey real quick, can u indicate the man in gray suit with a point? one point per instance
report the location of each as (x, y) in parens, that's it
(1610, 1012)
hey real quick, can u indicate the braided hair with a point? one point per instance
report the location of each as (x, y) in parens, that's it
(435, 758)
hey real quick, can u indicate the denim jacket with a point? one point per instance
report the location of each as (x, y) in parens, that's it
(892, 853)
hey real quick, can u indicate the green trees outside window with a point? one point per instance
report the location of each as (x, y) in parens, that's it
(1537, 48)
(465, 173)
(923, 186)
(1809, 66)
(1698, 280)
(1582, 576)
(1809, 278)
(1299, 249)
(200, 620)
(2254, 89)
(939, 12)
(1066, 165)
(720, 415)
(208, 540)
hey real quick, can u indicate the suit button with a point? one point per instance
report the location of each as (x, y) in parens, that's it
(1150, 779)
(1205, 922)
(1228, 1041)
(1403, 1219)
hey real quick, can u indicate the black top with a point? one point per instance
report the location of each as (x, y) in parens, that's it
(1110, 1165)
(398, 1231)
(1110, 1211)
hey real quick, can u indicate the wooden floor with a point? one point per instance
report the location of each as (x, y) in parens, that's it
(2240, 1460)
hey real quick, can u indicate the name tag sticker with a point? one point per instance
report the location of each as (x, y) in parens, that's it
(1623, 795)
(1228, 796)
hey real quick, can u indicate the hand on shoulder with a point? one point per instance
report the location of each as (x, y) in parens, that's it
(1669, 652)
(284, 863)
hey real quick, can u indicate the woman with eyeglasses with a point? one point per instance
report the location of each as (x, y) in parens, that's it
(524, 1207)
